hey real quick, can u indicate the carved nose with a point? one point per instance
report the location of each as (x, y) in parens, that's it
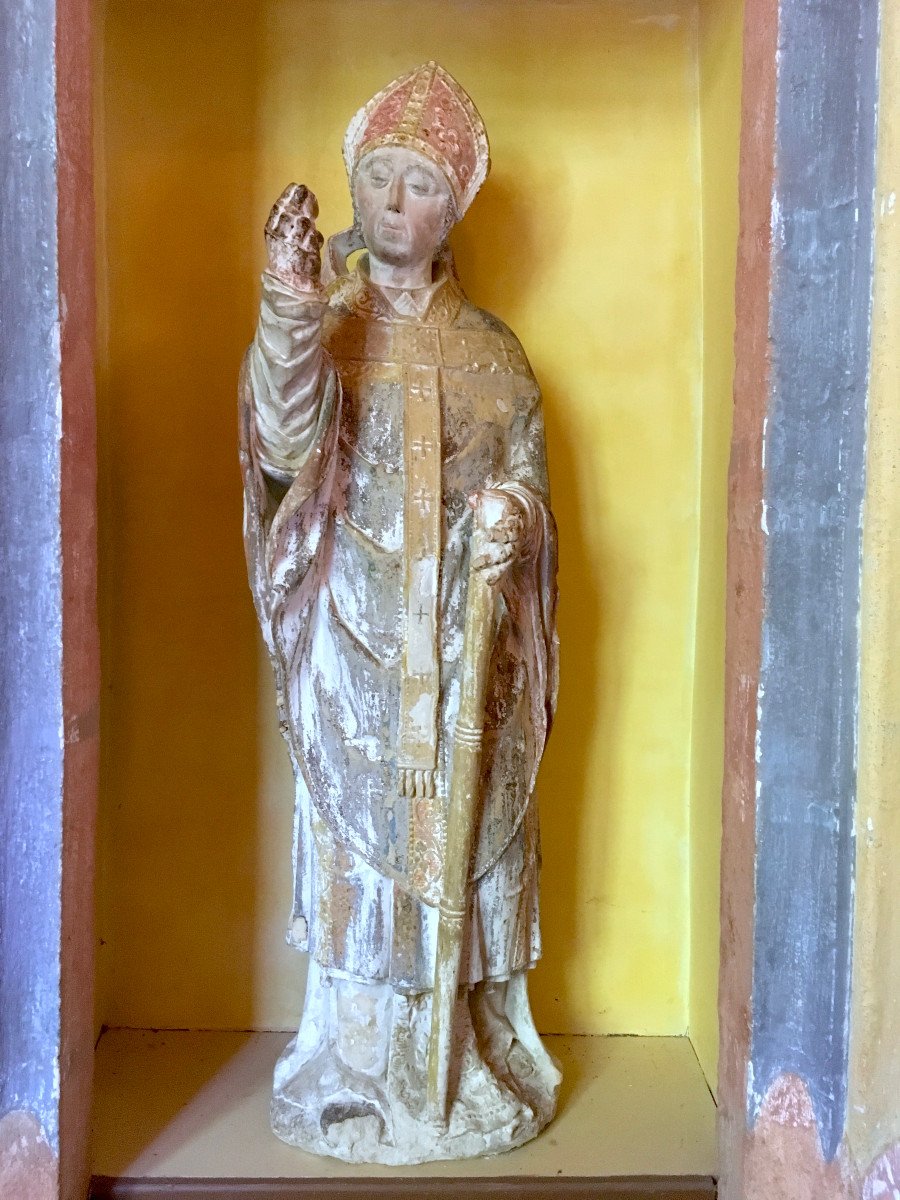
(395, 197)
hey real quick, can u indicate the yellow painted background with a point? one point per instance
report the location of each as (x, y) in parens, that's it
(873, 1113)
(720, 51)
(614, 134)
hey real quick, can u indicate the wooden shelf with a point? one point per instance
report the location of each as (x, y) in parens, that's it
(184, 1115)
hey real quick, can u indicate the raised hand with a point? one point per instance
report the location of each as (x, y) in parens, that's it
(292, 240)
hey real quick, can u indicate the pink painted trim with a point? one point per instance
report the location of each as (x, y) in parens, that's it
(744, 596)
(78, 517)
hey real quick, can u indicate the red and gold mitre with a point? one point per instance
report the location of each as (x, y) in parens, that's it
(428, 111)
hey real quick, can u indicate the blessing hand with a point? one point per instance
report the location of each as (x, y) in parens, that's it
(500, 520)
(292, 240)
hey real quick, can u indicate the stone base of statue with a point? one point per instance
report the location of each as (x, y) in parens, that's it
(352, 1084)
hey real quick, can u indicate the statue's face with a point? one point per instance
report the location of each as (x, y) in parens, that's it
(404, 205)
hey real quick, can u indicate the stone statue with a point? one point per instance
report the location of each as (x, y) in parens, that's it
(402, 557)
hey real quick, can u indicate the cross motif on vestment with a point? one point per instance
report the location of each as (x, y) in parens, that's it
(422, 500)
(421, 446)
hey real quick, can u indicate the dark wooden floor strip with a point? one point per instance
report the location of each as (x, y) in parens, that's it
(558, 1187)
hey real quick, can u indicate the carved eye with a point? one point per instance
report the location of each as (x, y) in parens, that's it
(421, 185)
(378, 174)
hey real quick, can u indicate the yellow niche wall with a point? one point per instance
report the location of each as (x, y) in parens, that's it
(614, 137)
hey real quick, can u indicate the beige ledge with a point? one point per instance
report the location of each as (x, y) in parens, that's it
(194, 1106)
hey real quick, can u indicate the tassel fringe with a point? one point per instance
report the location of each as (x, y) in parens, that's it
(417, 783)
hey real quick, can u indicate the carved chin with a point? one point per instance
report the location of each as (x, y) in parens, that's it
(399, 252)
(395, 254)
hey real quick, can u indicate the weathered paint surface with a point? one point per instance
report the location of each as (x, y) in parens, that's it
(744, 582)
(49, 680)
(785, 1155)
(813, 463)
(28, 1166)
(882, 1181)
(78, 526)
(31, 713)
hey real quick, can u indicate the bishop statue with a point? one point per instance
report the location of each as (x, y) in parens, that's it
(402, 558)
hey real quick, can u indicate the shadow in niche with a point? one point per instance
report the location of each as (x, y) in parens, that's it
(515, 230)
(157, 1119)
(180, 647)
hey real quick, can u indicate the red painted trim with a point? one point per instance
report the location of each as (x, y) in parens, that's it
(78, 516)
(745, 578)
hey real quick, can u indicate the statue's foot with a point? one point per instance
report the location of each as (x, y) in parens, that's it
(352, 1135)
(324, 1106)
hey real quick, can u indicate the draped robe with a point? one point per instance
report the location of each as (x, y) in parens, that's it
(358, 550)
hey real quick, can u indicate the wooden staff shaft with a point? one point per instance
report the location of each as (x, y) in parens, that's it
(464, 789)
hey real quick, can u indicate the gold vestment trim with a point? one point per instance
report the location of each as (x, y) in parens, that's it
(420, 688)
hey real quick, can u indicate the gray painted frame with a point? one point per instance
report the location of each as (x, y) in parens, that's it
(813, 459)
(31, 646)
(49, 645)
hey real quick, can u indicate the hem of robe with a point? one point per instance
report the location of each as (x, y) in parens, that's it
(408, 990)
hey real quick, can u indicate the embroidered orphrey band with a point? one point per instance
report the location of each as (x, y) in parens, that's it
(415, 105)
(420, 689)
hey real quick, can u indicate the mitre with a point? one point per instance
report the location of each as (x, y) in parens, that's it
(425, 110)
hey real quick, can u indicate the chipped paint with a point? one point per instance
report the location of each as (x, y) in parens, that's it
(882, 1181)
(28, 1166)
(31, 714)
(813, 439)
(785, 1155)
